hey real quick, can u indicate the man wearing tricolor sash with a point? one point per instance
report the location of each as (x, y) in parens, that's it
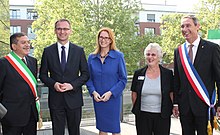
(196, 75)
(18, 88)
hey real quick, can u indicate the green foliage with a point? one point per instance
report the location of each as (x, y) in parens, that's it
(171, 35)
(115, 14)
(49, 12)
(87, 17)
(208, 15)
(136, 52)
(4, 28)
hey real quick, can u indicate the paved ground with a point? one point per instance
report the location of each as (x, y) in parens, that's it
(126, 129)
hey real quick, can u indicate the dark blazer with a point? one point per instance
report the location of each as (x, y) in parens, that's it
(166, 88)
(207, 64)
(76, 73)
(16, 94)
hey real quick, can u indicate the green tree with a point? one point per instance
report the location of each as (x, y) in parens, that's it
(137, 50)
(209, 15)
(87, 17)
(116, 14)
(49, 11)
(4, 28)
(171, 35)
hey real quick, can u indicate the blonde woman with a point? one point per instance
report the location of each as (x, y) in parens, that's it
(108, 78)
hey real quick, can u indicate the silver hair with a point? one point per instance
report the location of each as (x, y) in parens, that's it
(154, 46)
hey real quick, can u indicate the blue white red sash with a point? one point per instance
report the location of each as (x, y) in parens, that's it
(26, 74)
(195, 80)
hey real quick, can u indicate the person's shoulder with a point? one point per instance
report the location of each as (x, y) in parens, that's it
(3, 59)
(167, 70)
(31, 58)
(75, 46)
(208, 42)
(50, 46)
(140, 69)
(116, 53)
(91, 56)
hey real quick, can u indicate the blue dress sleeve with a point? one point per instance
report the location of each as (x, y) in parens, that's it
(89, 83)
(120, 85)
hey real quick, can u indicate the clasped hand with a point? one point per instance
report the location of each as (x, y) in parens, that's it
(105, 97)
(62, 87)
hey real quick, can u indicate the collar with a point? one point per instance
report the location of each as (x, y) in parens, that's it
(112, 54)
(66, 45)
(20, 57)
(195, 43)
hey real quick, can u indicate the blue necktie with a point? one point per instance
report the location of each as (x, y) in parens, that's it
(63, 58)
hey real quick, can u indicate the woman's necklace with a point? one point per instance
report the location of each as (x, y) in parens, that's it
(104, 55)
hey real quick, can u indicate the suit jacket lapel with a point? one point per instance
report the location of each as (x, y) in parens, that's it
(143, 72)
(70, 55)
(199, 53)
(31, 66)
(56, 56)
(162, 78)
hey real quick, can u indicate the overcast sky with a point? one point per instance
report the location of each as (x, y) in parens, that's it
(182, 4)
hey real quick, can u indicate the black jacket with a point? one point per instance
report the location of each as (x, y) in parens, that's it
(166, 89)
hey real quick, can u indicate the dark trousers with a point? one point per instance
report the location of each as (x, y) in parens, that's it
(152, 124)
(191, 123)
(29, 129)
(60, 117)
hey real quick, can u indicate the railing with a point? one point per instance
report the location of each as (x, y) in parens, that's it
(88, 116)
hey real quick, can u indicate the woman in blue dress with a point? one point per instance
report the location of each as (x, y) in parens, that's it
(108, 78)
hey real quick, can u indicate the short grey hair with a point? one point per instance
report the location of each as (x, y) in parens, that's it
(154, 46)
(193, 17)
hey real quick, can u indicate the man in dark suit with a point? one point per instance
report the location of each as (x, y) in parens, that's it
(16, 94)
(193, 111)
(64, 70)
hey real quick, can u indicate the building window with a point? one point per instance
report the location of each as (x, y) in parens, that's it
(151, 17)
(29, 30)
(15, 14)
(30, 33)
(149, 30)
(15, 29)
(31, 14)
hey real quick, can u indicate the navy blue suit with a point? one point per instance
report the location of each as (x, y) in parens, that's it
(76, 73)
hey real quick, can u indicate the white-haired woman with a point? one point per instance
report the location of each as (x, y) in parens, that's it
(152, 88)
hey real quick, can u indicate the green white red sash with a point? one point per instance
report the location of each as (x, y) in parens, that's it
(195, 80)
(26, 74)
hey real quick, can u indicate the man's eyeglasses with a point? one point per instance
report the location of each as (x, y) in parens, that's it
(105, 38)
(64, 29)
(151, 54)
